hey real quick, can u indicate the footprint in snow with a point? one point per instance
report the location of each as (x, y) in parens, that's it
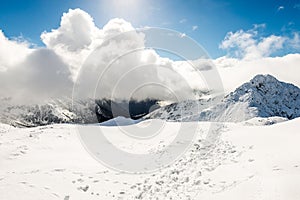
(55, 194)
(67, 198)
(59, 170)
(80, 180)
(85, 188)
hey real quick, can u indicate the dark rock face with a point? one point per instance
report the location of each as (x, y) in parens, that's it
(108, 109)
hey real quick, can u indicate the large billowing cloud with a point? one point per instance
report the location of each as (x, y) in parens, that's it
(74, 39)
(31, 75)
(40, 76)
(12, 52)
(78, 36)
(34, 74)
(52, 71)
(76, 32)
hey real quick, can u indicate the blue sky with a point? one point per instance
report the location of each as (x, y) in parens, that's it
(206, 21)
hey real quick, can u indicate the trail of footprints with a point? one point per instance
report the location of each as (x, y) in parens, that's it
(185, 176)
(182, 180)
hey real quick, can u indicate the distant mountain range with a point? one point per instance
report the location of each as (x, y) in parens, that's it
(262, 97)
(54, 111)
(68, 111)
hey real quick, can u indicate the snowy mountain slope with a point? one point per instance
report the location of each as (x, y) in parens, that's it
(67, 111)
(54, 111)
(182, 111)
(263, 96)
(245, 162)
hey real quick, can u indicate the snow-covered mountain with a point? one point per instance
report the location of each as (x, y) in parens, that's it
(262, 97)
(54, 111)
(67, 111)
(224, 161)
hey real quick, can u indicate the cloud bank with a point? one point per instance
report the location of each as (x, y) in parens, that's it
(78, 52)
(250, 53)
(38, 74)
(249, 44)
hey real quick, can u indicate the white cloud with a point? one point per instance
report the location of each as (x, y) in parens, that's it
(182, 21)
(74, 38)
(295, 41)
(31, 75)
(38, 77)
(76, 32)
(182, 35)
(280, 8)
(50, 72)
(235, 72)
(259, 26)
(249, 55)
(27, 73)
(247, 44)
(297, 6)
(12, 52)
(77, 36)
(194, 28)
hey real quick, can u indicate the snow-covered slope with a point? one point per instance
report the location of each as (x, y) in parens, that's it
(54, 111)
(244, 162)
(119, 121)
(182, 111)
(263, 97)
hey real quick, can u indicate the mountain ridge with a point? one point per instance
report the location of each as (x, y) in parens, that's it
(263, 96)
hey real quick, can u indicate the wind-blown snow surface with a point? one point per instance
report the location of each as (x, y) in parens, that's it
(243, 162)
(262, 97)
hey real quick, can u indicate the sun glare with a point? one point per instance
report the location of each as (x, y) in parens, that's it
(133, 10)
